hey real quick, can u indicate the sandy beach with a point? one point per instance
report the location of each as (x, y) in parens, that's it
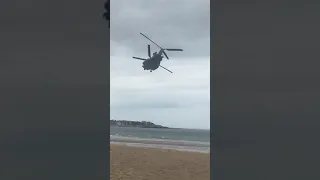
(139, 163)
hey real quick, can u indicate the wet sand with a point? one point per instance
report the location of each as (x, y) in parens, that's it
(138, 163)
(192, 146)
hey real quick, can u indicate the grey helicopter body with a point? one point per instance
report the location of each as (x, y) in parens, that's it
(154, 61)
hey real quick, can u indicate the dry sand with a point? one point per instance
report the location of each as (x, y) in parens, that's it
(135, 163)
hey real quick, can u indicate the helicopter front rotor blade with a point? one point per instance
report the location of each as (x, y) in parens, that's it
(139, 58)
(151, 40)
(166, 69)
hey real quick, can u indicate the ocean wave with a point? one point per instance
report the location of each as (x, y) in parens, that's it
(161, 146)
(156, 141)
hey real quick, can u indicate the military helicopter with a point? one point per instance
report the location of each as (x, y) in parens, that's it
(153, 62)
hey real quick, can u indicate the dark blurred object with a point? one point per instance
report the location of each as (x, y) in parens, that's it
(106, 14)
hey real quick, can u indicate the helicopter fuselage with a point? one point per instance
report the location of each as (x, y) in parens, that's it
(153, 63)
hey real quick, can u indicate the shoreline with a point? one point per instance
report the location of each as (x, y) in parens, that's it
(191, 146)
(157, 146)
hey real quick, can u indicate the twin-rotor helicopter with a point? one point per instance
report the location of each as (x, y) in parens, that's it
(153, 62)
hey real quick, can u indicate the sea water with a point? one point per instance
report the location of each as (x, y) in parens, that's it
(179, 139)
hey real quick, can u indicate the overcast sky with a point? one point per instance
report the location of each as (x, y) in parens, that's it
(181, 99)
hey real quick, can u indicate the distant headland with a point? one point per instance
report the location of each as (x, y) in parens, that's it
(140, 124)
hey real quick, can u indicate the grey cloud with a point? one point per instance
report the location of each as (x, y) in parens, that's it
(148, 105)
(172, 24)
(181, 99)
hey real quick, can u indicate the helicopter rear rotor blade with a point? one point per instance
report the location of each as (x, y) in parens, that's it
(151, 41)
(139, 58)
(165, 54)
(166, 69)
(174, 49)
